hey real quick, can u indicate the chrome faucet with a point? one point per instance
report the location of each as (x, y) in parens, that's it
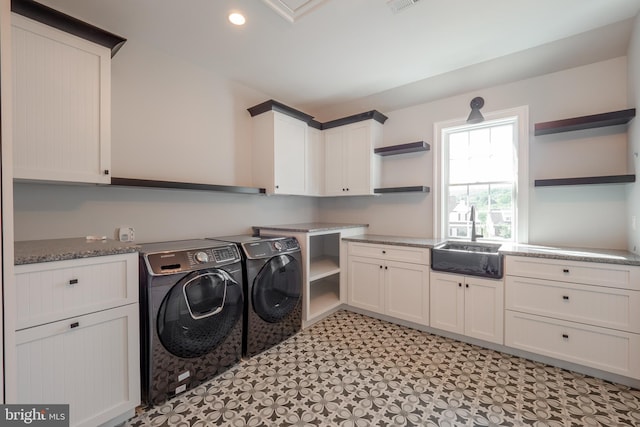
(472, 217)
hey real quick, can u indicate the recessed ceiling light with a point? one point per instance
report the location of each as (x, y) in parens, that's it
(237, 18)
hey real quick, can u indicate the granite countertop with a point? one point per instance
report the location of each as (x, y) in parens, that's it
(394, 240)
(34, 251)
(309, 227)
(607, 256)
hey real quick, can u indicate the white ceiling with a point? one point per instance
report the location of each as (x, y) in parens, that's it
(360, 52)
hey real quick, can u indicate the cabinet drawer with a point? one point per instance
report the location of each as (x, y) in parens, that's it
(51, 291)
(611, 275)
(605, 349)
(390, 252)
(593, 305)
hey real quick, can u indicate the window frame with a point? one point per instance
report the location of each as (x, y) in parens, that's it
(520, 116)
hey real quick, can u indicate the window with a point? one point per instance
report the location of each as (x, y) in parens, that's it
(485, 166)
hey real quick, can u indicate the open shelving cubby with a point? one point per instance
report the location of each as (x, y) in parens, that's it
(324, 273)
(613, 118)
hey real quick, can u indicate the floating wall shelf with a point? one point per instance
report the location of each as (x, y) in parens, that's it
(147, 183)
(613, 118)
(610, 179)
(411, 147)
(412, 189)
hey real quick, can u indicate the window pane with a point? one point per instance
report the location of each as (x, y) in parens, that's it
(500, 221)
(458, 211)
(481, 173)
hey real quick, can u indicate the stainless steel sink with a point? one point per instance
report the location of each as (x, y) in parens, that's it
(472, 258)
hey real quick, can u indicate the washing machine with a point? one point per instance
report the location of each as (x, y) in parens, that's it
(191, 309)
(273, 290)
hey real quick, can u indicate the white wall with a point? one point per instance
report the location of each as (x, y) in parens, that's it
(171, 120)
(56, 211)
(633, 190)
(585, 216)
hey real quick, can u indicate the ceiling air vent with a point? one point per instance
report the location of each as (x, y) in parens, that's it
(400, 5)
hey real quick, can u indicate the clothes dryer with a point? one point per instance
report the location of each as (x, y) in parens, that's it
(191, 306)
(273, 290)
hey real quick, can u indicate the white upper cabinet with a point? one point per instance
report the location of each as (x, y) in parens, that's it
(279, 149)
(61, 105)
(351, 168)
(294, 154)
(279, 153)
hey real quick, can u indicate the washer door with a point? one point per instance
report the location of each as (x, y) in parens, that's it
(277, 288)
(199, 312)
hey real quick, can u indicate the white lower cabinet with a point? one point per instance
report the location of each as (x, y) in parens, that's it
(89, 362)
(86, 353)
(380, 284)
(468, 306)
(601, 348)
(580, 312)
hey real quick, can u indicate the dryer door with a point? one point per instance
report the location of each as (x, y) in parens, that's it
(277, 288)
(199, 312)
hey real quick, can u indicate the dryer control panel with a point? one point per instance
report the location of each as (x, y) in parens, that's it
(270, 247)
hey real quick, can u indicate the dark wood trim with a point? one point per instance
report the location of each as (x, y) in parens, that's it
(412, 189)
(585, 122)
(315, 124)
(147, 183)
(279, 107)
(273, 105)
(610, 179)
(373, 114)
(53, 18)
(411, 147)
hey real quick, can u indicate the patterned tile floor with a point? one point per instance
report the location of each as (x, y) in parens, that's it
(352, 370)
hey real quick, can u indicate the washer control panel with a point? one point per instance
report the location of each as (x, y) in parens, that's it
(172, 262)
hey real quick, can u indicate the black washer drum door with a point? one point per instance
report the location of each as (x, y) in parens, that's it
(277, 288)
(199, 312)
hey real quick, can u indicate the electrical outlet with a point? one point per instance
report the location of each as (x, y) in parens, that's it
(126, 234)
(633, 222)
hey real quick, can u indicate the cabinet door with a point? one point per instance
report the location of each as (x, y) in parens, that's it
(61, 105)
(366, 284)
(315, 162)
(359, 153)
(484, 309)
(90, 362)
(407, 291)
(290, 140)
(446, 299)
(334, 162)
